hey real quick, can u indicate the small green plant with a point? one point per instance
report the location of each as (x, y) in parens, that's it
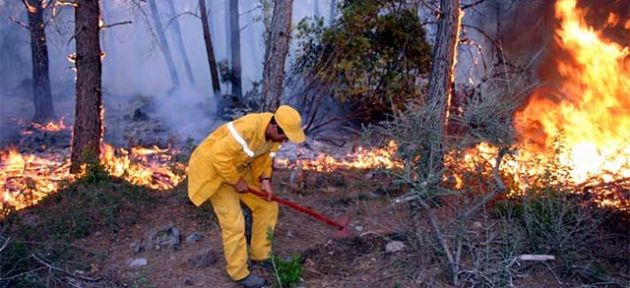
(95, 175)
(140, 280)
(287, 272)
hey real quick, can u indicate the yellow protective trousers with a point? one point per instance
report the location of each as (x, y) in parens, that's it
(226, 203)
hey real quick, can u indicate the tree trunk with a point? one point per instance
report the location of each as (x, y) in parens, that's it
(88, 124)
(273, 74)
(212, 63)
(235, 53)
(166, 50)
(333, 12)
(42, 99)
(179, 43)
(441, 83)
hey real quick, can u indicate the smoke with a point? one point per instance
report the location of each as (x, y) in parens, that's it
(133, 64)
(188, 111)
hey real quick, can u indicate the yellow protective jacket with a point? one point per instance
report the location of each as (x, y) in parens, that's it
(236, 149)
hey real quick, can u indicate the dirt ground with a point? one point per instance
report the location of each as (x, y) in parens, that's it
(353, 262)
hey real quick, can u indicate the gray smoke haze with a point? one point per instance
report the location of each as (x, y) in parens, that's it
(134, 66)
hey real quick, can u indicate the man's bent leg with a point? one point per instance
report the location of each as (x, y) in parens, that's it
(265, 216)
(227, 207)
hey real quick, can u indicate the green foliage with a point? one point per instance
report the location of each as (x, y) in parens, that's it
(370, 59)
(95, 175)
(139, 280)
(288, 273)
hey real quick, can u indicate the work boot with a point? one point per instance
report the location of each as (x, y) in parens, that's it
(252, 281)
(264, 264)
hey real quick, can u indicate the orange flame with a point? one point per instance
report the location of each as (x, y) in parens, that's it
(25, 179)
(592, 113)
(361, 159)
(52, 126)
(149, 167)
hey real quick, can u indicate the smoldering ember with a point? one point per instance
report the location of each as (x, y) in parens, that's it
(314, 143)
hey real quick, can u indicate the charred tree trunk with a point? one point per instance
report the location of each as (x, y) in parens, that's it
(273, 74)
(42, 99)
(166, 50)
(235, 53)
(88, 124)
(441, 83)
(212, 63)
(179, 42)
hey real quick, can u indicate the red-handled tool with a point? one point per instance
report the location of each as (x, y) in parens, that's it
(340, 224)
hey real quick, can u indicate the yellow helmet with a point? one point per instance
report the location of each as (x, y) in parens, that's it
(291, 123)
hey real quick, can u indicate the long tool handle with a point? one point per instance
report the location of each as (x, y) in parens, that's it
(297, 207)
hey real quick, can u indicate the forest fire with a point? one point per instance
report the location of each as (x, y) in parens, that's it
(25, 179)
(51, 126)
(361, 159)
(580, 123)
(149, 167)
(587, 112)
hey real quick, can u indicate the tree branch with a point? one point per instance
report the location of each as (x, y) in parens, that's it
(6, 242)
(19, 22)
(251, 10)
(54, 268)
(180, 15)
(464, 7)
(116, 24)
(489, 196)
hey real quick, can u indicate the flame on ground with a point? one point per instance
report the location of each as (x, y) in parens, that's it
(592, 112)
(51, 126)
(149, 167)
(361, 159)
(26, 179)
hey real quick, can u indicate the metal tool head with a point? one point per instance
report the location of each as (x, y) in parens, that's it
(342, 230)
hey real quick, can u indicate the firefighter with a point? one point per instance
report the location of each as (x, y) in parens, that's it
(236, 155)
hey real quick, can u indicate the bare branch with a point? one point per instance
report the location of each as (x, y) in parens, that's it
(433, 222)
(180, 15)
(251, 10)
(21, 274)
(54, 268)
(6, 242)
(19, 22)
(489, 196)
(464, 7)
(116, 24)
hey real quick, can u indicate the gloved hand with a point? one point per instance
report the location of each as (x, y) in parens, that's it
(266, 186)
(241, 186)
